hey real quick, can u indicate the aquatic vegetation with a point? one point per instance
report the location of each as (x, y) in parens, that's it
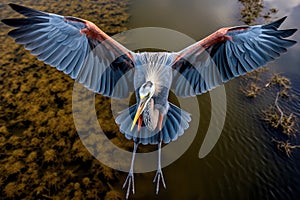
(92, 194)
(285, 146)
(256, 74)
(86, 181)
(113, 195)
(280, 81)
(10, 190)
(18, 153)
(49, 155)
(41, 154)
(251, 90)
(252, 83)
(278, 120)
(274, 115)
(13, 168)
(31, 157)
(251, 11)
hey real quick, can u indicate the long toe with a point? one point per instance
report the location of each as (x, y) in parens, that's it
(130, 184)
(159, 177)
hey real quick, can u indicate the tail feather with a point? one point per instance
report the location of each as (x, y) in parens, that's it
(175, 122)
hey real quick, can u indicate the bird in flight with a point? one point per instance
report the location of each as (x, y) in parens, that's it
(81, 50)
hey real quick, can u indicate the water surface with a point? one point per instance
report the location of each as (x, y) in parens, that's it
(244, 164)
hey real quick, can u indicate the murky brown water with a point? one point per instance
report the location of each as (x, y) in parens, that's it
(36, 116)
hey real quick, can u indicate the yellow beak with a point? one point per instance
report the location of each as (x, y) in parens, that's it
(138, 112)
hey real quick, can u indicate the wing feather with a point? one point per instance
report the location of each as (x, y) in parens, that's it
(75, 46)
(228, 53)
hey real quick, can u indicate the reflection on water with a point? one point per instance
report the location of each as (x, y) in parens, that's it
(244, 164)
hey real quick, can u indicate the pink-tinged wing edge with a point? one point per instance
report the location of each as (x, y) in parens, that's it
(227, 53)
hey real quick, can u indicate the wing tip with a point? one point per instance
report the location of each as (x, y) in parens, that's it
(13, 5)
(22, 10)
(17, 7)
(276, 23)
(290, 32)
(10, 22)
(293, 42)
(5, 21)
(25, 10)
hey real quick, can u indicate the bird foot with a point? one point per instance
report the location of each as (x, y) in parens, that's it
(130, 182)
(159, 177)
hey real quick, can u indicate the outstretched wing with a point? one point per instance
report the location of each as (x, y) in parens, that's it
(228, 53)
(75, 46)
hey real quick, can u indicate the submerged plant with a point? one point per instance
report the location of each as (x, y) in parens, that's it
(49, 155)
(253, 9)
(10, 189)
(37, 135)
(278, 120)
(285, 146)
(275, 116)
(251, 90)
(281, 81)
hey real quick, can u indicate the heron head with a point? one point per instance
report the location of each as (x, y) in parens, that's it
(146, 92)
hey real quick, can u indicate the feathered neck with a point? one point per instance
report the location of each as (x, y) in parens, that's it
(156, 67)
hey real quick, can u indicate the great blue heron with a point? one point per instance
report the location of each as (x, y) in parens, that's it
(80, 49)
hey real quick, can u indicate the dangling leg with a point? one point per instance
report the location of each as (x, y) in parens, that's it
(159, 174)
(130, 178)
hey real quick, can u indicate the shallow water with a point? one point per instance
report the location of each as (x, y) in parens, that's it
(244, 164)
(41, 155)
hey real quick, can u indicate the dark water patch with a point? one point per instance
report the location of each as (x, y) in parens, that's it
(245, 163)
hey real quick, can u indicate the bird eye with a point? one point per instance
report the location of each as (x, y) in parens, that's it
(148, 94)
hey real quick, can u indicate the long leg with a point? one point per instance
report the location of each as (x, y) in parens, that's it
(159, 175)
(130, 178)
